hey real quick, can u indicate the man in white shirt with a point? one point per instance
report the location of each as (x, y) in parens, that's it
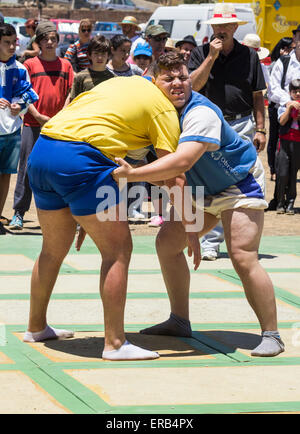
(278, 94)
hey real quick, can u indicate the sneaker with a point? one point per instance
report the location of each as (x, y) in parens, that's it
(280, 209)
(4, 220)
(135, 214)
(290, 208)
(2, 229)
(16, 222)
(156, 221)
(210, 255)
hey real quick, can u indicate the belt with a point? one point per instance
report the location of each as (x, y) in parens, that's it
(230, 118)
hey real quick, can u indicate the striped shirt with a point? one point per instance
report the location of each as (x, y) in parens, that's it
(77, 55)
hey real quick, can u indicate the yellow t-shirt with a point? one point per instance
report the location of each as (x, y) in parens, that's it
(118, 115)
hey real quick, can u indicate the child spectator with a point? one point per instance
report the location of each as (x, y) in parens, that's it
(142, 55)
(120, 51)
(98, 52)
(32, 48)
(289, 152)
(15, 95)
(52, 79)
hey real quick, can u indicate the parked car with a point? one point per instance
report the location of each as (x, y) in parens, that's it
(107, 29)
(66, 26)
(14, 20)
(23, 38)
(117, 4)
(65, 39)
(186, 19)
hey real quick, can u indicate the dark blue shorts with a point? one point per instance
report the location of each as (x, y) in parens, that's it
(10, 145)
(71, 174)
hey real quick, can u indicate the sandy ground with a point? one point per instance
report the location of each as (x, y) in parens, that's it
(274, 224)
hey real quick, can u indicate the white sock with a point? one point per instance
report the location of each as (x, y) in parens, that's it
(271, 345)
(128, 351)
(47, 333)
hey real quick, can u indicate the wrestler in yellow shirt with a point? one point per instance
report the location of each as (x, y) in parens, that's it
(106, 118)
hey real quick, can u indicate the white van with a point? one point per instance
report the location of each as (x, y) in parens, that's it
(184, 20)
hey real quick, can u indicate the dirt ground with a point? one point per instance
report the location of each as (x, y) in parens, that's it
(274, 224)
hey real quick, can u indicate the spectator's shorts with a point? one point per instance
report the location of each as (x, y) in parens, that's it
(248, 193)
(71, 174)
(10, 145)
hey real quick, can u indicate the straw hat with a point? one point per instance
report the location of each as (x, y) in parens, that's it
(252, 40)
(130, 20)
(170, 45)
(224, 13)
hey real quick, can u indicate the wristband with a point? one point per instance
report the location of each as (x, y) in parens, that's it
(261, 130)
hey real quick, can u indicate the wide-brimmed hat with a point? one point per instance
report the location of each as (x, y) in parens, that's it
(156, 30)
(252, 40)
(130, 20)
(170, 44)
(224, 13)
(144, 49)
(296, 30)
(189, 39)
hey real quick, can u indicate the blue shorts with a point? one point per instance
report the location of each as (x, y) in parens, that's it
(10, 145)
(71, 174)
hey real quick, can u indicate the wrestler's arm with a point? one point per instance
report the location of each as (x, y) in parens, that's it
(166, 167)
(193, 243)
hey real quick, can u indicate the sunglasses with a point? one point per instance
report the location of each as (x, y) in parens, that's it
(86, 30)
(159, 39)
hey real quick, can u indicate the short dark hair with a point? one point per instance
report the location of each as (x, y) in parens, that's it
(294, 84)
(285, 42)
(99, 43)
(169, 60)
(117, 40)
(7, 30)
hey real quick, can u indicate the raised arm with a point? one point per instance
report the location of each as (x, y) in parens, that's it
(200, 75)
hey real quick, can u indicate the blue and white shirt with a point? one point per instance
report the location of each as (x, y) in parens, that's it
(15, 87)
(228, 158)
